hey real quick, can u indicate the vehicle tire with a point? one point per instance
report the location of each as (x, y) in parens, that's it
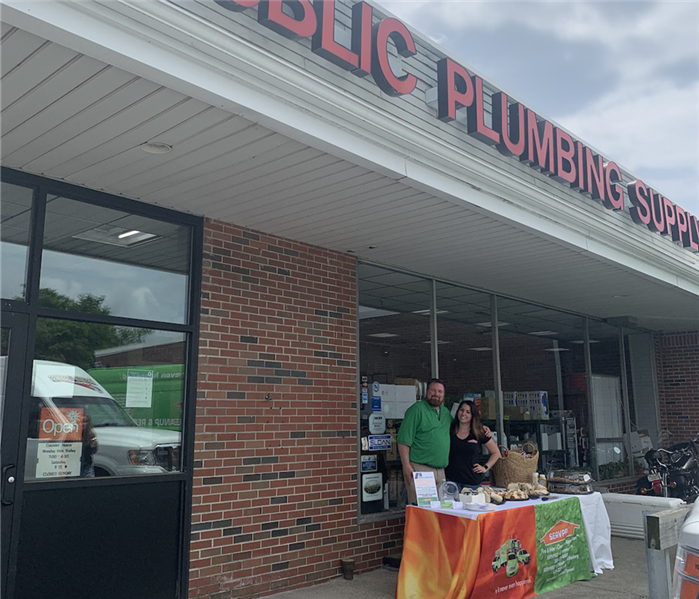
(101, 472)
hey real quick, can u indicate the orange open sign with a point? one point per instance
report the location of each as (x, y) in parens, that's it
(61, 424)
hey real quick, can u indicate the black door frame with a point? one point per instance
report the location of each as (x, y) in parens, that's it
(22, 317)
(11, 484)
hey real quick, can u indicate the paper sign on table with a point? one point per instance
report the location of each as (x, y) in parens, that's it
(425, 488)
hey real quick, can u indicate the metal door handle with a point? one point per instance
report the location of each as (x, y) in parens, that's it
(8, 485)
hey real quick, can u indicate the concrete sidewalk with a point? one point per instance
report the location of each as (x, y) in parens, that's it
(628, 580)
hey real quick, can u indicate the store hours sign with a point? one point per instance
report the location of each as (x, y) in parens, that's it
(516, 131)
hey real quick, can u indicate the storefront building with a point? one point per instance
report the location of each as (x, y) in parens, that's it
(237, 239)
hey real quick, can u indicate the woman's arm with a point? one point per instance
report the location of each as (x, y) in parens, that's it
(492, 448)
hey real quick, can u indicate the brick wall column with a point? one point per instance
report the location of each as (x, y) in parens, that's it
(275, 477)
(678, 384)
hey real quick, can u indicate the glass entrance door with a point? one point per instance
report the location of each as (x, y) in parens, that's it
(99, 336)
(12, 361)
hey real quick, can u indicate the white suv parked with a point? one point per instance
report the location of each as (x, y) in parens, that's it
(686, 585)
(124, 448)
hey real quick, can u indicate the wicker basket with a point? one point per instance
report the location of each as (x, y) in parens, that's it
(513, 467)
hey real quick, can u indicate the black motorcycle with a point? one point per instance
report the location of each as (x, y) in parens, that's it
(672, 472)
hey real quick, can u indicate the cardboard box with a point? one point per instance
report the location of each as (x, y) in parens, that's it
(488, 409)
(534, 402)
(509, 398)
(514, 413)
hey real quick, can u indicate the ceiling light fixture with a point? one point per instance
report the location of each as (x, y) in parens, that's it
(383, 335)
(128, 234)
(581, 341)
(481, 348)
(490, 324)
(557, 349)
(155, 147)
(426, 312)
(440, 342)
(117, 236)
(544, 333)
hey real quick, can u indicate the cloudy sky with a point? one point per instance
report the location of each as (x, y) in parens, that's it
(621, 76)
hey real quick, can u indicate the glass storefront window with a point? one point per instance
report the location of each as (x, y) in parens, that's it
(105, 401)
(101, 260)
(572, 420)
(540, 365)
(395, 362)
(608, 404)
(14, 239)
(465, 347)
(644, 416)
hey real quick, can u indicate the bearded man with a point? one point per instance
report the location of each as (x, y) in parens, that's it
(423, 438)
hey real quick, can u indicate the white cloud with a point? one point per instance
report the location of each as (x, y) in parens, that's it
(665, 24)
(440, 39)
(645, 123)
(651, 129)
(637, 62)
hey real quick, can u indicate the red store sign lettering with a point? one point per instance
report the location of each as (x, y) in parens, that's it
(517, 131)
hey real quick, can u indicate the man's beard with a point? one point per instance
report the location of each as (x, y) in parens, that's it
(435, 402)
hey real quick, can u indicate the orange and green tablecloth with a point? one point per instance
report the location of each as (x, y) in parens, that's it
(516, 552)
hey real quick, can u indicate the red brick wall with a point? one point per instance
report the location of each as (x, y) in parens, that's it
(626, 485)
(275, 486)
(677, 356)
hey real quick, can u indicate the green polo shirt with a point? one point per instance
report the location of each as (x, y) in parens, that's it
(427, 434)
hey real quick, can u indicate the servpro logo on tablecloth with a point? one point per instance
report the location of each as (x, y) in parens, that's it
(562, 552)
(560, 532)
